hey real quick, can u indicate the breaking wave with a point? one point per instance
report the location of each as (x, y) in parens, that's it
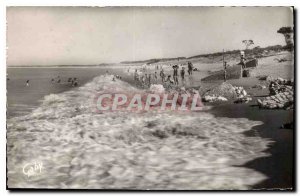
(82, 148)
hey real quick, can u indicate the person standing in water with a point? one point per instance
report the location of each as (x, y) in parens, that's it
(75, 82)
(58, 79)
(175, 74)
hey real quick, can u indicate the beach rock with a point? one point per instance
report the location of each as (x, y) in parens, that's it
(259, 86)
(157, 88)
(225, 90)
(246, 73)
(283, 100)
(213, 98)
(262, 77)
(266, 78)
(280, 85)
(202, 90)
(240, 92)
(288, 125)
(243, 100)
(194, 91)
(244, 93)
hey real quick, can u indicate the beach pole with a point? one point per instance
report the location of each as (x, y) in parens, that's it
(223, 57)
(224, 67)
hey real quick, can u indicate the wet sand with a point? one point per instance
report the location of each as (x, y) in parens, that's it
(279, 167)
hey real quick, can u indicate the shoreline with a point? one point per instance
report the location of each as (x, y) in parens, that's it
(279, 166)
(54, 88)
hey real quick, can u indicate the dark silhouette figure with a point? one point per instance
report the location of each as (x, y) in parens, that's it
(190, 68)
(175, 74)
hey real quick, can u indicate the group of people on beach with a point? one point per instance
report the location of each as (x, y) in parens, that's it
(116, 77)
(147, 78)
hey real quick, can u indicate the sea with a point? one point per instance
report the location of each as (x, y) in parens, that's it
(57, 139)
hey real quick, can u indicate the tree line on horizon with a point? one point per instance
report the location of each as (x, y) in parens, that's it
(287, 32)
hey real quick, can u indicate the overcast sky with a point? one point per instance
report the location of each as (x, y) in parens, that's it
(83, 35)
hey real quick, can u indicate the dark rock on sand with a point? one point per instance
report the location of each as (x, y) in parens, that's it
(281, 95)
(288, 125)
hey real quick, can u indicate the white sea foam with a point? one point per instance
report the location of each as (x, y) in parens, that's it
(80, 148)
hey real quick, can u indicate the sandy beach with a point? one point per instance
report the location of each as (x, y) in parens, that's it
(280, 164)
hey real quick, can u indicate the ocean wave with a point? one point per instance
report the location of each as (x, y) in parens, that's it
(82, 148)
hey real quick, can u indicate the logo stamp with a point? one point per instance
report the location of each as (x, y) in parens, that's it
(33, 169)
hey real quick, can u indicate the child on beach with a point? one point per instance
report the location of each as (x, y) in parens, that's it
(168, 82)
(144, 79)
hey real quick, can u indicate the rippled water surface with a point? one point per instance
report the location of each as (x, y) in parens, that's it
(81, 148)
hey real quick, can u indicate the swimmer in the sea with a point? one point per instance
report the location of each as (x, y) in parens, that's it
(75, 82)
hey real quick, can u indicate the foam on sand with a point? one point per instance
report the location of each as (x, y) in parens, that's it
(80, 148)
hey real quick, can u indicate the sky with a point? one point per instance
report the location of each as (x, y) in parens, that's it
(92, 35)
